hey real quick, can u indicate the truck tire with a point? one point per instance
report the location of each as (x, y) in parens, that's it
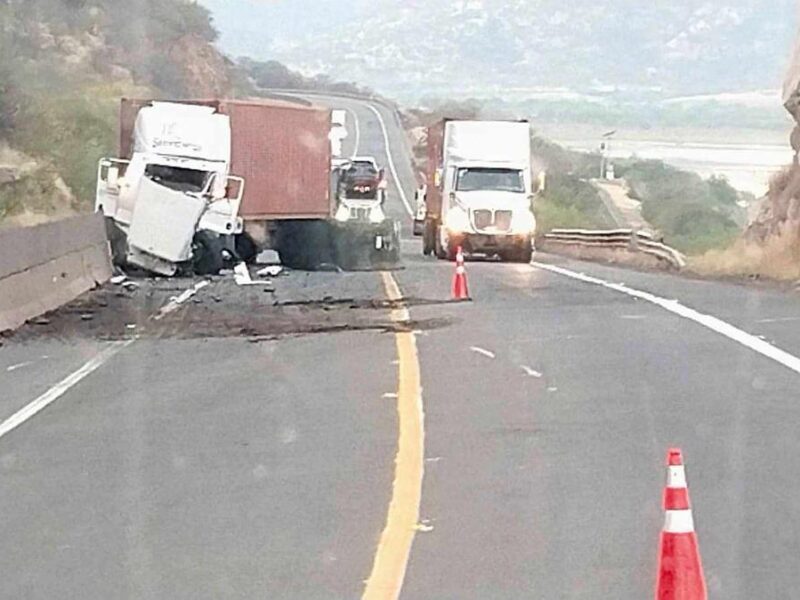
(522, 254)
(246, 248)
(305, 245)
(118, 241)
(207, 258)
(439, 250)
(428, 238)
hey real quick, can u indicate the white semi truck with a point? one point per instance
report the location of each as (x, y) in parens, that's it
(479, 190)
(169, 203)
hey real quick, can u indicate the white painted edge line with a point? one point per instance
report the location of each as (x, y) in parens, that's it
(175, 303)
(59, 389)
(397, 183)
(713, 323)
(483, 351)
(357, 127)
(21, 365)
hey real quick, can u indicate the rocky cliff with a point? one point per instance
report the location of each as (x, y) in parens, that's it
(64, 66)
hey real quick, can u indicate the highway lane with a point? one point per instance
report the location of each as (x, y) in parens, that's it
(200, 468)
(549, 406)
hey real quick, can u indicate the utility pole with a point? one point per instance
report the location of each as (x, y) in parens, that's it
(605, 148)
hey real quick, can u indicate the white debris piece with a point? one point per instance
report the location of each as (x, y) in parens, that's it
(270, 271)
(117, 279)
(241, 275)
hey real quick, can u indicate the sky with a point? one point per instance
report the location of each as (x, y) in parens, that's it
(257, 22)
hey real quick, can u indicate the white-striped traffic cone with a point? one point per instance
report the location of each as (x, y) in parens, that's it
(460, 290)
(680, 571)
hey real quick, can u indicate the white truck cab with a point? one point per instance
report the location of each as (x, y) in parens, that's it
(485, 187)
(177, 182)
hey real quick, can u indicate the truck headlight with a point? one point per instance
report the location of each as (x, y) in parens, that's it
(376, 215)
(524, 222)
(342, 213)
(457, 219)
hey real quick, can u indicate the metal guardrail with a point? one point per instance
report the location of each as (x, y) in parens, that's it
(627, 239)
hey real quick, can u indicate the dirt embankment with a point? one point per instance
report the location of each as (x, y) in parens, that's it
(770, 247)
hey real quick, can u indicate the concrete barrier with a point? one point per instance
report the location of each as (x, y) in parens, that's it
(44, 267)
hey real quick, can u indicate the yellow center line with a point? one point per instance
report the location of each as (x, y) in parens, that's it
(391, 558)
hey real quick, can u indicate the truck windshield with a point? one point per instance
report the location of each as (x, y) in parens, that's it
(178, 178)
(362, 171)
(482, 179)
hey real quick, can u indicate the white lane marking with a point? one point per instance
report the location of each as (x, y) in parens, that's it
(483, 351)
(633, 317)
(357, 127)
(779, 320)
(59, 389)
(175, 303)
(397, 183)
(21, 365)
(713, 323)
(530, 372)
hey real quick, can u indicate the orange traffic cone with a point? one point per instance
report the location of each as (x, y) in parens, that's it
(460, 291)
(680, 572)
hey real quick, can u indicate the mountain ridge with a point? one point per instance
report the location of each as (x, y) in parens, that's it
(410, 48)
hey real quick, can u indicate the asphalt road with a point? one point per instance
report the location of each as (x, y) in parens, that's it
(197, 464)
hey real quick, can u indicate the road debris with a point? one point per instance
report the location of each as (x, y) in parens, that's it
(530, 372)
(118, 279)
(270, 271)
(482, 351)
(241, 275)
(176, 301)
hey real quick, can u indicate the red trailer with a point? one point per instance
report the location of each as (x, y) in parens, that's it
(281, 149)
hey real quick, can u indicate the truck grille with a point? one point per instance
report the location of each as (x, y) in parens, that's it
(359, 214)
(482, 218)
(502, 220)
(499, 220)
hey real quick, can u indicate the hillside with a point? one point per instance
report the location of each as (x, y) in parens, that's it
(521, 47)
(65, 64)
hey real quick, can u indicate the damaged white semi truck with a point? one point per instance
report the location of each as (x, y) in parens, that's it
(200, 183)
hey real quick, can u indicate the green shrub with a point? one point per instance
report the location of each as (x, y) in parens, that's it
(569, 202)
(695, 215)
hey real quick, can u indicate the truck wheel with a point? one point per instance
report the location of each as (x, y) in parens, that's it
(428, 241)
(440, 252)
(246, 248)
(207, 253)
(524, 253)
(118, 241)
(452, 251)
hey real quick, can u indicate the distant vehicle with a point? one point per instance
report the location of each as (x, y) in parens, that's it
(420, 209)
(360, 193)
(338, 131)
(479, 190)
(361, 178)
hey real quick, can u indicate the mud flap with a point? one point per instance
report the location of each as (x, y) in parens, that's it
(304, 245)
(367, 246)
(352, 246)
